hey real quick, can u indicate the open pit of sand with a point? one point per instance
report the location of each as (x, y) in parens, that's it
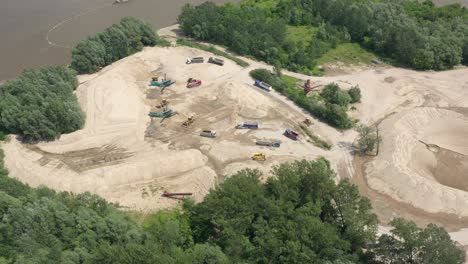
(423, 160)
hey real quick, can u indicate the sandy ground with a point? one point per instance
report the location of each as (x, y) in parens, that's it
(127, 158)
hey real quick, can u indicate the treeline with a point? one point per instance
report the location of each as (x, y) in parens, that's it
(299, 216)
(40, 104)
(418, 35)
(116, 42)
(330, 106)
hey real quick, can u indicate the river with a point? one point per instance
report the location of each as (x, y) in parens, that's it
(41, 32)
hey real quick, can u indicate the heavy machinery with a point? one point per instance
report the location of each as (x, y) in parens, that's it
(189, 121)
(178, 196)
(291, 134)
(195, 60)
(193, 83)
(247, 125)
(269, 143)
(208, 133)
(307, 122)
(163, 82)
(263, 85)
(164, 104)
(308, 87)
(259, 156)
(163, 114)
(217, 61)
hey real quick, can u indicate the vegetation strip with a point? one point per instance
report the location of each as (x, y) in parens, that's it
(212, 49)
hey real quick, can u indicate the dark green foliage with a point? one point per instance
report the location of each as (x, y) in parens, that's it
(418, 35)
(293, 218)
(329, 109)
(409, 244)
(334, 95)
(40, 104)
(355, 94)
(115, 43)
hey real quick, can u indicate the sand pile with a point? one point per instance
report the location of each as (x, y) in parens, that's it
(420, 147)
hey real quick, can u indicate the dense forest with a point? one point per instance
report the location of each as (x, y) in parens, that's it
(116, 42)
(298, 216)
(40, 104)
(296, 33)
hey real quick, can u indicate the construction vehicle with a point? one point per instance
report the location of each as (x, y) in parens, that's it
(259, 156)
(164, 104)
(247, 125)
(291, 134)
(263, 85)
(308, 87)
(178, 196)
(189, 121)
(163, 114)
(208, 133)
(195, 60)
(161, 83)
(307, 122)
(269, 143)
(193, 83)
(217, 61)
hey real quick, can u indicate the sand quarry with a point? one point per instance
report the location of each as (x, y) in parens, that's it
(128, 158)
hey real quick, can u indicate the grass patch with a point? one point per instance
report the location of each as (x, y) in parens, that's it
(314, 139)
(300, 33)
(212, 49)
(348, 53)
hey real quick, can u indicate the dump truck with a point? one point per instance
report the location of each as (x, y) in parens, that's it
(163, 114)
(208, 133)
(259, 156)
(263, 85)
(269, 143)
(217, 61)
(195, 60)
(291, 134)
(193, 83)
(162, 83)
(247, 125)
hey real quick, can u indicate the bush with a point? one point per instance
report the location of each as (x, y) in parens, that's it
(40, 104)
(355, 94)
(116, 42)
(328, 111)
(3, 135)
(334, 95)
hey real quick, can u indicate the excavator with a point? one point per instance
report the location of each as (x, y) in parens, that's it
(189, 121)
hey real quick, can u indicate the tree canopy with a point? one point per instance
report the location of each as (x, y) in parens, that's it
(116, 42)
(40, 104)
(411, 33)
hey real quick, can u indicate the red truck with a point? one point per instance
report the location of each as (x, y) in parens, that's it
(193, 83)
(291, 134)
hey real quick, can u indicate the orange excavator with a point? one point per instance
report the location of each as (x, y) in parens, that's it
(308, 87)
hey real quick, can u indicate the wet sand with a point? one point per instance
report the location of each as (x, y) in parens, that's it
(38, 33)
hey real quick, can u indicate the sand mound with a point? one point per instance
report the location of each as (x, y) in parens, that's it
(420, 146)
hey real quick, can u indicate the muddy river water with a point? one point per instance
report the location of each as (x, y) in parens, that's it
(41, 32)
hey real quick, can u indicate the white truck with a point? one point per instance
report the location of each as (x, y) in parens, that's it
(208, 133)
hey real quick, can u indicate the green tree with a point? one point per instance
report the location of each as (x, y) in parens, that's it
(367, 139)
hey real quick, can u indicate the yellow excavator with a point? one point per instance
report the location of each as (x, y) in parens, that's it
(164, 104)
(259, 156)
(189, 121)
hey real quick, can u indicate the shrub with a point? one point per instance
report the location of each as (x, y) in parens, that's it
(334, 95)
(355, 94)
